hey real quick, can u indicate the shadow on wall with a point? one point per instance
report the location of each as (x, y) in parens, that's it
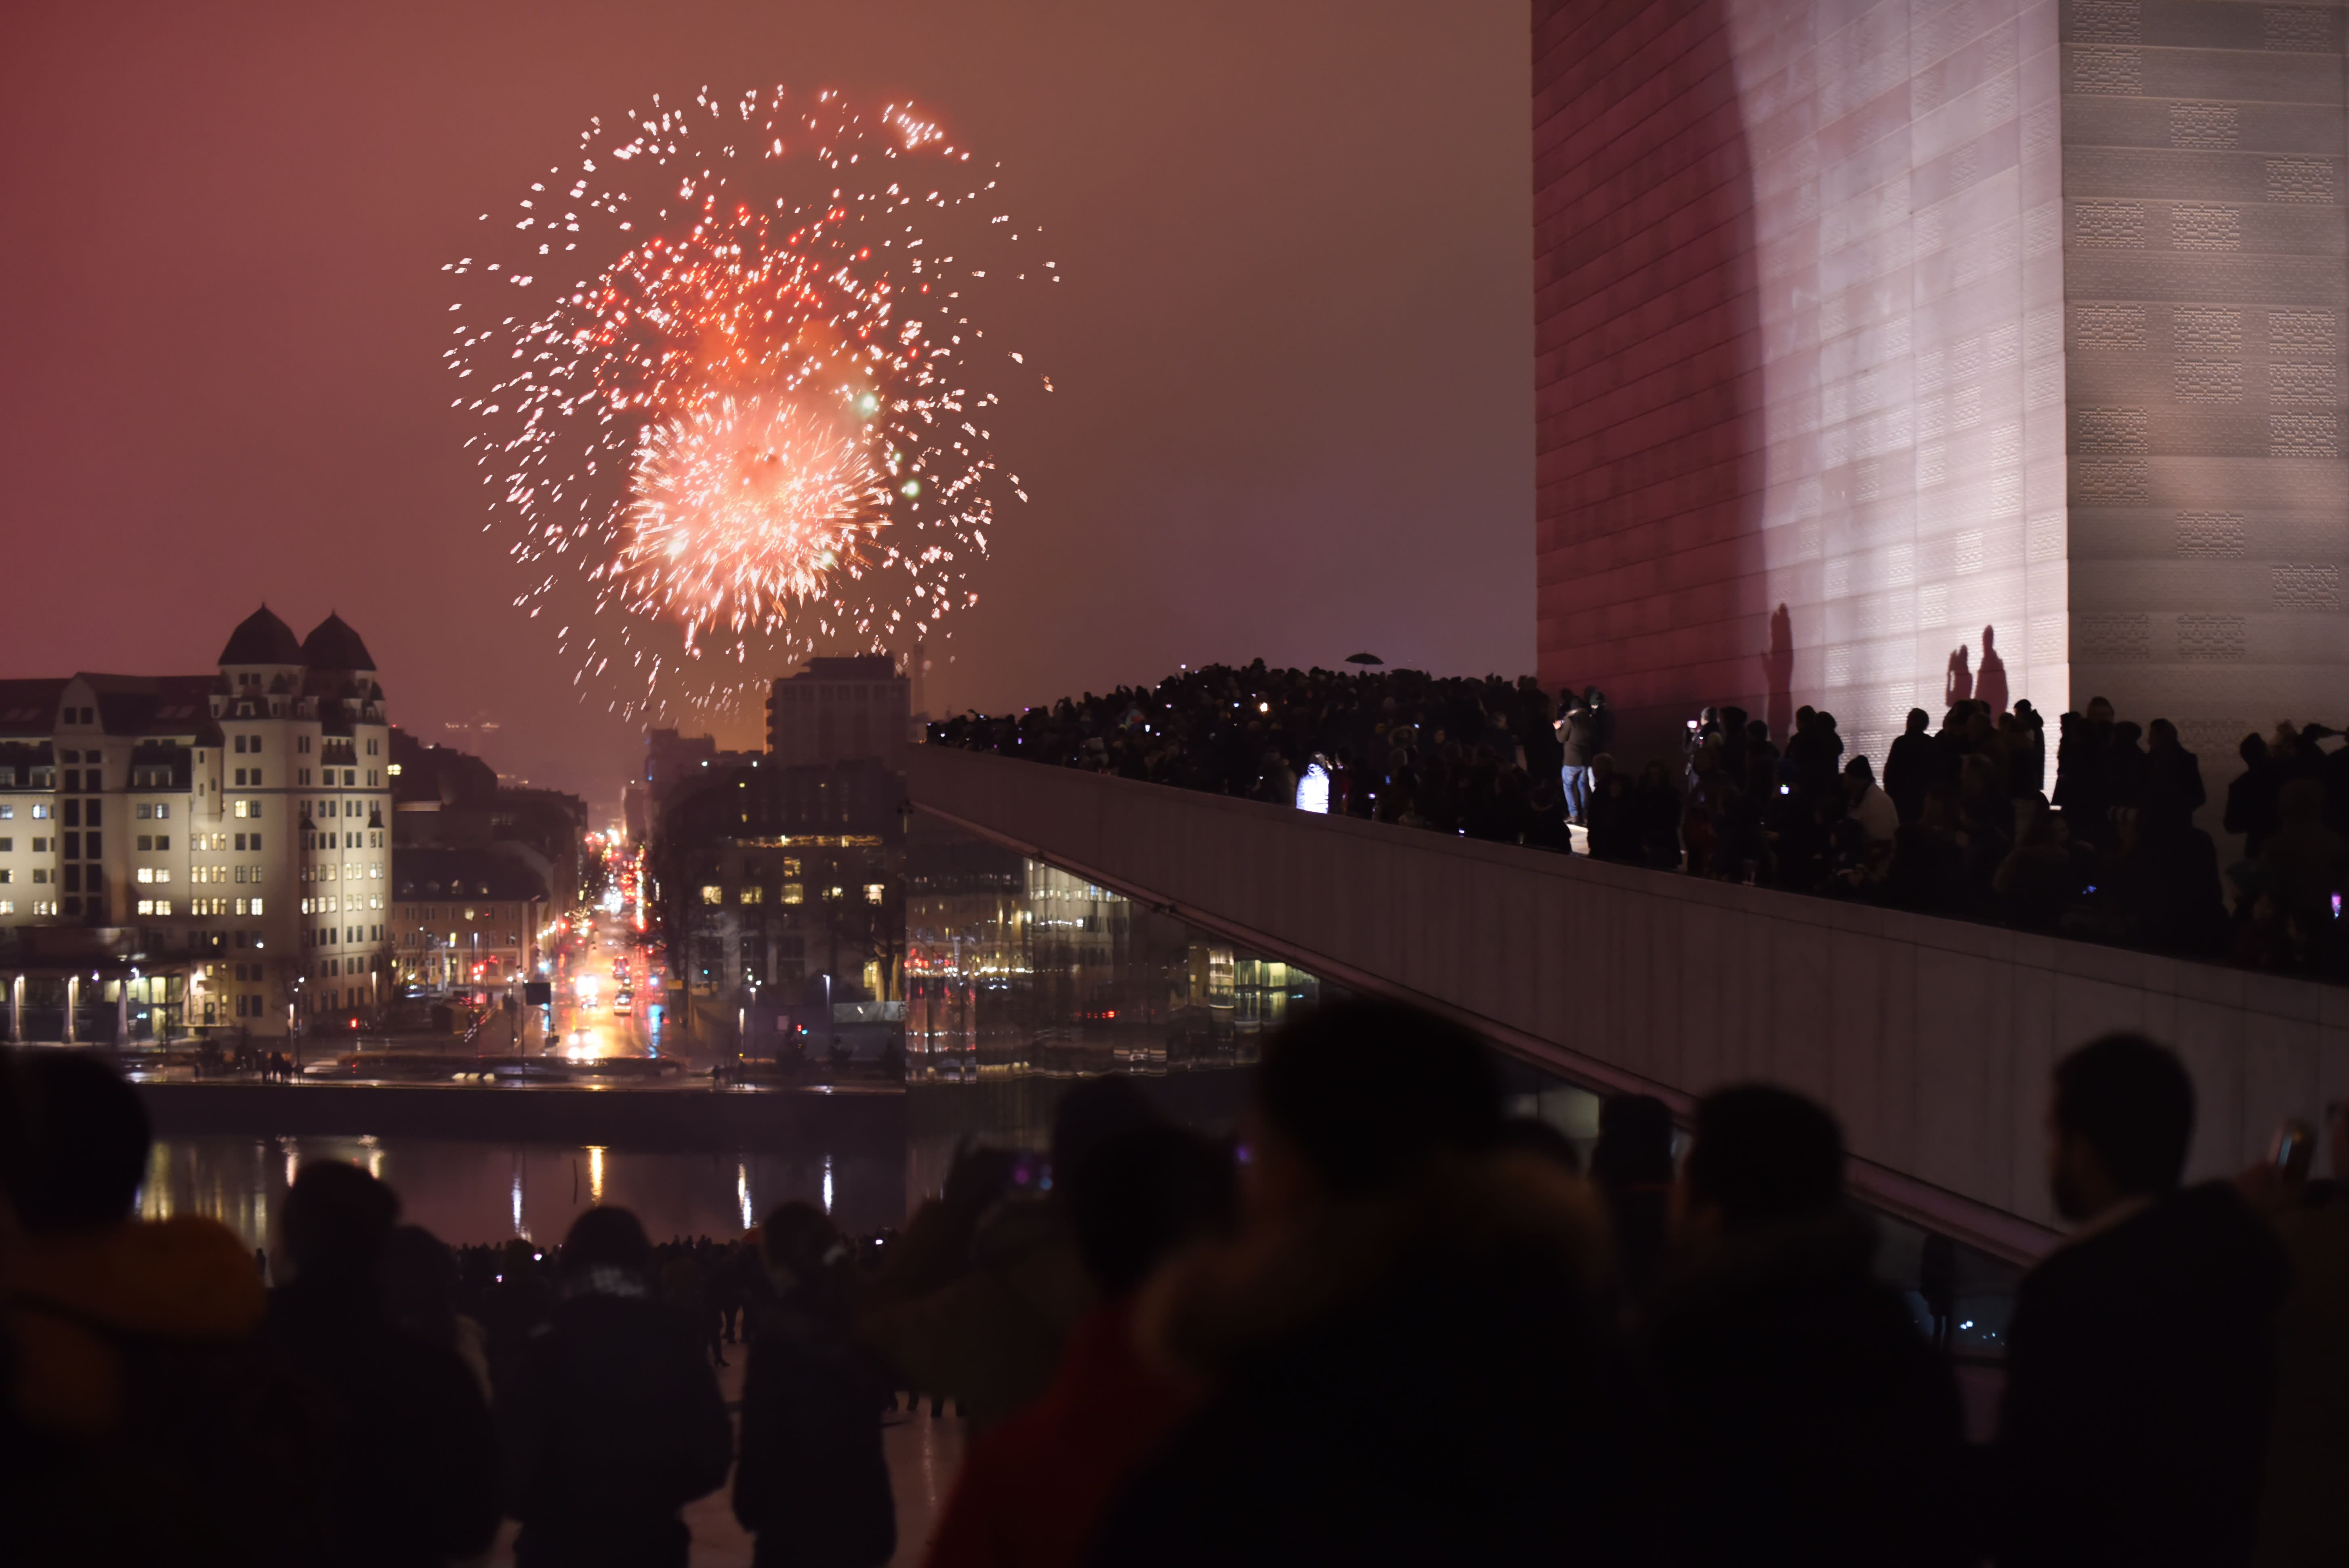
(1987, 685)
(1778, 676)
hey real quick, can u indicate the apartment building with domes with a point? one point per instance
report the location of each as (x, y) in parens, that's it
(206, 852)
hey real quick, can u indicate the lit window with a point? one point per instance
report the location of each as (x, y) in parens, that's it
(717, 895)
(7, 906)
(754, 895)
(163, 811)
(40, 813)
(794, 892)
(145, 873)
(873, 893)
(256, 906)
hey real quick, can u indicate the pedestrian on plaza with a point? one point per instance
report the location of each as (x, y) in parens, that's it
(813, 1483)
(986, 1285)
(1632, 1167)
(1805, 1419)
(2307, 1441)
(1578, 734)
(612, 1421)
(2140, 1355)
(1032, 1491)
(1406, 1343)
(412, 1455)
(120, 1337)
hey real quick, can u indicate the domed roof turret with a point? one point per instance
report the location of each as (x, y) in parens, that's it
(260, 638)
(333, 646)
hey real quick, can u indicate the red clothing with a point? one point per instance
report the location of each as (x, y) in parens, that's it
(1031, 1491)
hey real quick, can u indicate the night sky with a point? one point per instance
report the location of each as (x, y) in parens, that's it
(1293, 353)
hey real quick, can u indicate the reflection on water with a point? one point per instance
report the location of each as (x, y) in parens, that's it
(482, 1192)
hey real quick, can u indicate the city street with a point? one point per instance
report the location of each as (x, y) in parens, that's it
(604, 1005)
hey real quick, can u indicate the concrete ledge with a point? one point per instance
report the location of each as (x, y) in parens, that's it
(1931, 1039)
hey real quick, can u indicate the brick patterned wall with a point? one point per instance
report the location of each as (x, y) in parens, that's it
(1800, 362)
(2206, 292)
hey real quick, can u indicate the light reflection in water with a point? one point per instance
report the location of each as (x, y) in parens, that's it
(470, 1192)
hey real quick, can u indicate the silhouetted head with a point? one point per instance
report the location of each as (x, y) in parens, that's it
(1635, 1143)
(1760, 1153)
(1858, 775)
(797, 1237)
(1532, 1134)
(337, 1219)
(74, 1140)
(1135, 1198)
(2161, 736)
(1364, 1093)
(417, 1274)
(1095, 1109)
(1919, 720)
(2099, 711)
(608, 1237)
(2300, 803)
(2120, 1123)
(2254, 750)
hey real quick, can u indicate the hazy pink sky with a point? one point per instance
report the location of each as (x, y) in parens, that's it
(1293, 353)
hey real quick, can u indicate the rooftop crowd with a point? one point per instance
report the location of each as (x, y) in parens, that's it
(2089, 832)
(1396, 1327)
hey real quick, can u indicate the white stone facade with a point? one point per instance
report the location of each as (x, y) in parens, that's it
(234, 831)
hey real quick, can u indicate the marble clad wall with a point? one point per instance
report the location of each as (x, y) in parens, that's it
(2206, 292)
(1800, 395)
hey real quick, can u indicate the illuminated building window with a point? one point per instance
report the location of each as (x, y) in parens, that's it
(711, 894)
(875, 893)
(754, 894)
(794, 892)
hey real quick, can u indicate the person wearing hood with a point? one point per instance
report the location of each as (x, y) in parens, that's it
(2140, 1354)
(1404, 1352)
(612, 1421)
(812, 1483)
(118, 1338)
(1805, 1419)
(414, 1460)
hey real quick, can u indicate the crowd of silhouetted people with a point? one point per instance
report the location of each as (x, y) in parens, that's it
(2089, 832)
(1393, 1326)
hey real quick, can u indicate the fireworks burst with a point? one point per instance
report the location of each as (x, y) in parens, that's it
(727, 380)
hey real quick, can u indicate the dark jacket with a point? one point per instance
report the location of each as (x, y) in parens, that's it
(140, 1402)
(2138, 1367)
(412, 1455)
(812, 1483)
(611, 1424)
(1805, 1419)
(1420, 1379)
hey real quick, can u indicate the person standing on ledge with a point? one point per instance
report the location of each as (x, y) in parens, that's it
(2140, 1354)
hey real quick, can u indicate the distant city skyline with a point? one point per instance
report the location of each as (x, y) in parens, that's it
(1292, 357)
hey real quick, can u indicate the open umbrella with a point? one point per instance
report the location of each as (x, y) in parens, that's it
(1364, 659)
